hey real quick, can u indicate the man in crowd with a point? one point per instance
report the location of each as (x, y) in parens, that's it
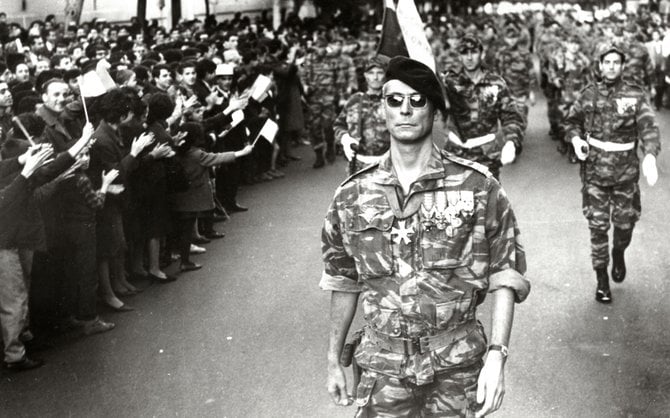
(605, 125)
(402, 235)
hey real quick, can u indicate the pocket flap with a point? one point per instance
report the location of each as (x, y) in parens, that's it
(364, 389)
(369, 217)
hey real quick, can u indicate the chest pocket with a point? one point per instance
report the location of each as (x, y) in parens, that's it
(447, 249)
(370, 239)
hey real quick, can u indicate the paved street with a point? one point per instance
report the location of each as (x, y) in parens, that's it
(246, 335)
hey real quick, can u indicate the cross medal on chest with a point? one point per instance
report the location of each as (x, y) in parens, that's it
(402, 233)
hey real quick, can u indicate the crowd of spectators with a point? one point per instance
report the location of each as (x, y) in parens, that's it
(175, 135)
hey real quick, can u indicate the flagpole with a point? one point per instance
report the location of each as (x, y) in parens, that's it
(18, 123)
(83, 102)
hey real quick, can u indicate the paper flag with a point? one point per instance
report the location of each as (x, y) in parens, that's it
(260, 88)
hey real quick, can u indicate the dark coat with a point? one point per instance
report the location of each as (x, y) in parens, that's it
(289, 94)
(62, 130)
(196, 163)
(21, 224)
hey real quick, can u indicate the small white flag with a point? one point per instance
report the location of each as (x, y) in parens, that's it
(238, 116)
(260, 88)
(90, 85)
(269, 130)
(102, 68)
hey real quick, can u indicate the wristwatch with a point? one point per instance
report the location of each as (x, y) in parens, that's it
(502, 348)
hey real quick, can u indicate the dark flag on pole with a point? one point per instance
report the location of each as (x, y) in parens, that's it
(392, 43)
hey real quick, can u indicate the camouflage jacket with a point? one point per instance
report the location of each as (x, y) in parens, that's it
(320, 75)
(572, 72)
(363, 118)
(346, 78)
(476, 111)
(638, 68)
(515, 65)
(422, 262)
(622, 114)
(449, 61)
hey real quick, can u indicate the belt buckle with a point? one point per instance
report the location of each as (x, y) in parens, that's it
(416, 345)
(412, 345)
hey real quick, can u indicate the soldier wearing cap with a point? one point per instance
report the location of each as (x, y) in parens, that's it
(570, 72)
(320, 83)
(639, 67)
(422, 236)
(360, 127)
(481, 101)
(607, 124)
(515, 64)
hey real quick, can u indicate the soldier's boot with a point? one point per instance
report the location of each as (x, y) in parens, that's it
(603, 294)
(618, 265)
(622, 239)
(320, 162)
(330, 152)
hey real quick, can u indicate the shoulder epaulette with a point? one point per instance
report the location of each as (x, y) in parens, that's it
(359, 172)
(480, 168)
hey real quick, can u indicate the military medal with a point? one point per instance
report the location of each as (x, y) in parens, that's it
(402, 233)
(439, 211)
(427, 211)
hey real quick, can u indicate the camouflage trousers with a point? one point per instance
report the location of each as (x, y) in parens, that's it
(320, 118)
(612, 205)
(554, 113)
(449, 395)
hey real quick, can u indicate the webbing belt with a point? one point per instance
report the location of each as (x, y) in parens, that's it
(471, 142)
(611, 146)
(411, 346)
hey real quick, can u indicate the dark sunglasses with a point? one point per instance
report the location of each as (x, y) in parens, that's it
(416, 100)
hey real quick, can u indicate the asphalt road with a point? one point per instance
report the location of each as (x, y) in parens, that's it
(246, 335)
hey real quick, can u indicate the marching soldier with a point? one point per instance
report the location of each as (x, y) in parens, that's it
(606, 124)
(360, 127)
(481, 101)
(515, 64)
(422, 237)
(320, 82)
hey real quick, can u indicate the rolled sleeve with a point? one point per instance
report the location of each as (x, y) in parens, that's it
(339, 283)
(507, 257)
(511, 279)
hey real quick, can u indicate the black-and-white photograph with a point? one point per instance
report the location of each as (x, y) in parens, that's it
(334, 208)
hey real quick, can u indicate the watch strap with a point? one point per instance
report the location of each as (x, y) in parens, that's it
(499, 347)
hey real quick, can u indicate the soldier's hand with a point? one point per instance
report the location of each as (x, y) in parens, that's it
(347, 142)
(491, 384)
(581, 148)
(508, 153)
(649, 169)
(337, 385)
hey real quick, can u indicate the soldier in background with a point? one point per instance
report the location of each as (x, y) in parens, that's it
(481, 102)
(575, 74)
(401, 234)
(360, 127)
(515, 64)
(320, 83)
(605, 125)
(549, 42)
(638, 68)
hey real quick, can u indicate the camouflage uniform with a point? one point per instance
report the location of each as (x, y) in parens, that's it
(363, 119)
(622, 115)
(320, 76)
(515, 65)
(638, 67)
(548, 44)
(422, 264)
(346, 78)
(476, 111)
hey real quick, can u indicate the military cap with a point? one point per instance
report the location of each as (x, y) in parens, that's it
(512, 30)
(470, 42)
(609, 48)
(375, 61)
(419, 77)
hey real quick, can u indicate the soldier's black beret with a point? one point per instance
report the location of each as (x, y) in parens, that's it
(419, 77)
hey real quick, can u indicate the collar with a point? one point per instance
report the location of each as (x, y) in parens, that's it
(49, 116)
(434, 169)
